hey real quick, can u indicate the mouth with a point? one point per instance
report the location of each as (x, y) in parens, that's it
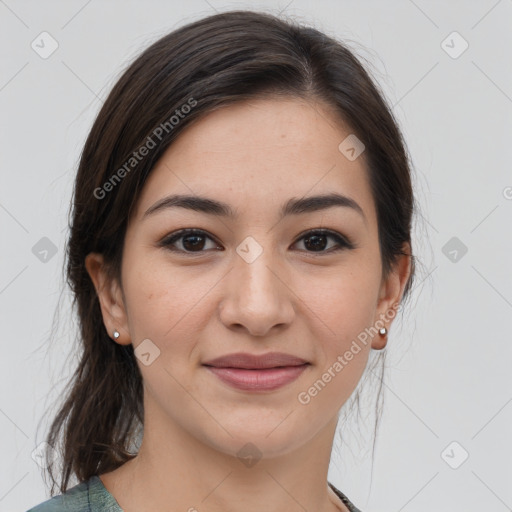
(248, 361)
(266, 372)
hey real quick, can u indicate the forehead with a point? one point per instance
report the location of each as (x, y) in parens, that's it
(257, 153)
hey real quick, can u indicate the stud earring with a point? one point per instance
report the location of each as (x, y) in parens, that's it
(383, 331)
(116, 335)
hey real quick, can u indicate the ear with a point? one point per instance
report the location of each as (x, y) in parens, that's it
(110, 297)
(390, 295)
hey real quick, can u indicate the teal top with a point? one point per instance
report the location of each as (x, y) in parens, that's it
(92, 496)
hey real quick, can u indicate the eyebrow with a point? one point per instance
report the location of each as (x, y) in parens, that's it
(293, 206)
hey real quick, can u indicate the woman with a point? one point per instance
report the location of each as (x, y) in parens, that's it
(240, 243)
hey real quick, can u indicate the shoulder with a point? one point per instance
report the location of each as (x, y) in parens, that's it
(75, 499)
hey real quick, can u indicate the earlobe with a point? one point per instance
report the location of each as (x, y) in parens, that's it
(381, 339)
(390, 296)
(110, 299)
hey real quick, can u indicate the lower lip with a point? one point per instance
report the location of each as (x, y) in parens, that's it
(258, 380)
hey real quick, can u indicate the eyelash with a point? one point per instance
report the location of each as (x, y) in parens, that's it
(343, 242)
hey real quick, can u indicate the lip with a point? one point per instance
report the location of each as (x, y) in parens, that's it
(267, 379)
(249, 372)
(251, 361)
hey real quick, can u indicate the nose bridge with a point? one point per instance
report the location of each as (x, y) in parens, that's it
(255, 274)
(257, 297)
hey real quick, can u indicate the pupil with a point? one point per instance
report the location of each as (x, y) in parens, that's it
(194, 244)
(316, 244)
(313, 242)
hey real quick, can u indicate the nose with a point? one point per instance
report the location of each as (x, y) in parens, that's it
(257, 297)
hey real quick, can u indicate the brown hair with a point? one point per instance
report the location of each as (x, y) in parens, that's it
(207, 64)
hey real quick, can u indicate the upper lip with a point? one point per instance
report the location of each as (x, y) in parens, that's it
(251, 361)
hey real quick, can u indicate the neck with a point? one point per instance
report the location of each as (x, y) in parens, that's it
(175, 468)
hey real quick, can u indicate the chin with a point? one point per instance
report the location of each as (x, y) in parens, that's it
(264, 441)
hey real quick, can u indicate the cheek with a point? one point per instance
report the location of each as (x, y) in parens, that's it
(344, 300)
(345, 310)
(344, 306)
(166, 305)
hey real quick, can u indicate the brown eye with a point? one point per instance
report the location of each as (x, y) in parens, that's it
(191, 240)
(317, 241)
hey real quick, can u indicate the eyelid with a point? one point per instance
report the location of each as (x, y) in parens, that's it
(169, 239)
(343, 241)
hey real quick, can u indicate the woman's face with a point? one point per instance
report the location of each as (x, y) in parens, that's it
(256, 281)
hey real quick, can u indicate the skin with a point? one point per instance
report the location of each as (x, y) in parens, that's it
(195, 306)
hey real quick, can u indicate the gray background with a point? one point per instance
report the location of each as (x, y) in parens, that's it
(448, 376)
